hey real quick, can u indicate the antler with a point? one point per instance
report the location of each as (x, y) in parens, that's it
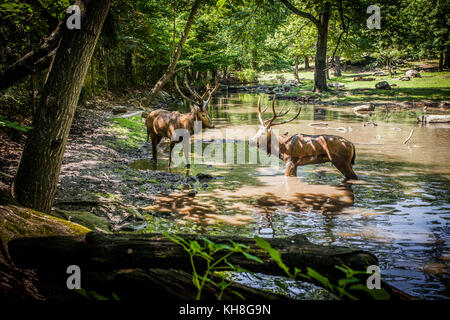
(269, 123)
(211, 93)
(182, 94)
(193, 92)
(263, 123)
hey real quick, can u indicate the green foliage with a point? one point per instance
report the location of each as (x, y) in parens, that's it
(247, 75)
(13, 125)
(215, 255)
(342, 289)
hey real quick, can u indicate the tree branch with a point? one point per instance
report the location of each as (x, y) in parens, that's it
(300, 13)
(34, 61)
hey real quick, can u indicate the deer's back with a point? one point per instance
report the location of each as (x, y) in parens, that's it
(303, 145)
(162, 122)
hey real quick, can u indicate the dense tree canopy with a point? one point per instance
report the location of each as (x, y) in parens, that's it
(240, 37)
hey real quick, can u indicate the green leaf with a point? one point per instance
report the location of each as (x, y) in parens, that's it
(252, 257)
(238, 294)
(274, 254)
(315, 275)
(220, 3)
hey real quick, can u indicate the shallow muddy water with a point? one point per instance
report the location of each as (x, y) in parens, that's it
(399, 209)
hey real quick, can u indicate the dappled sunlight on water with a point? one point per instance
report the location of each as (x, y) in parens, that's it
(398, 209)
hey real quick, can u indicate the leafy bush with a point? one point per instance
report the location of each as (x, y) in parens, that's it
(248, 75)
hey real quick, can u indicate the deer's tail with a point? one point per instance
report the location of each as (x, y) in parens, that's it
(354, 154)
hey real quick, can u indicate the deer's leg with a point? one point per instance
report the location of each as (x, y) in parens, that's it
(291, 167)
(344, 167)
(171, 145)
(155, 140)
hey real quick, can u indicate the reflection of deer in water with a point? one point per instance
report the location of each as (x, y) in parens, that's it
(292, 195)
(303, 149)
(301, 196)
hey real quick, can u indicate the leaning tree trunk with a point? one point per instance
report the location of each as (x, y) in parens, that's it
(38, 172)
(320, 76)
(171, 70)
(337, 66)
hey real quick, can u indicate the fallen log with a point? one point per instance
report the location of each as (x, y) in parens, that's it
(157, 284)
(444, 118)
(97, 252)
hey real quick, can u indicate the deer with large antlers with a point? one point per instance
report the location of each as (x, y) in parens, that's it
(303, 149)
(162, 123)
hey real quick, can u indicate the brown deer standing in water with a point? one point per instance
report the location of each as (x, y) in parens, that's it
(162, 123)
(303, 149)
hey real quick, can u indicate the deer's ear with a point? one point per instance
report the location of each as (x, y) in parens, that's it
(195, 107)
(286, 133)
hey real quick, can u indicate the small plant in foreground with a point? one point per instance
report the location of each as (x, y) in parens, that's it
(343, 286)
(216, 257)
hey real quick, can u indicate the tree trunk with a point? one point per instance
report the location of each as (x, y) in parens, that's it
(320, 77)
(296, 69)
(306, 63)
(337, 66)
(441, 61)
(171, 70)
(92, 78)
(38, 171)
(98, 252)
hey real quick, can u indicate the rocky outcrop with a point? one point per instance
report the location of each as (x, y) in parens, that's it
(383, 85)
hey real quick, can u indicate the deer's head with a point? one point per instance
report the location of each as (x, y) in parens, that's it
(263, 138)
(200, 103)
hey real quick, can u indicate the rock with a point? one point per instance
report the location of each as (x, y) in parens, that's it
(364, 107)
(444, 104)
(205, 186)
(337, 85)
(393, 85)
(379, 73)
(405, 78)
(119, 109)
(413, 74)
(363, 79)
(383, 85)
(204, 176)
(192, 193)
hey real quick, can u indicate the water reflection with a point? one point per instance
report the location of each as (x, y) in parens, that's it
(399, 209)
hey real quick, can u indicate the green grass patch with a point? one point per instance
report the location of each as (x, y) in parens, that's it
(130, 133)
(431, 86)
